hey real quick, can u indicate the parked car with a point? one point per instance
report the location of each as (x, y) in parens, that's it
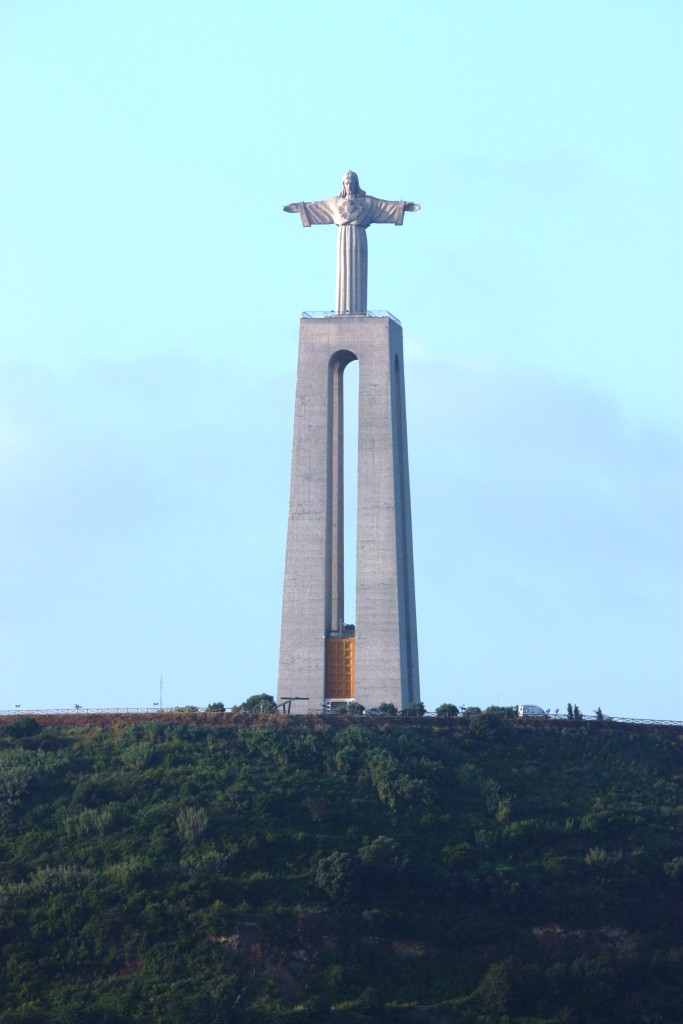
(374, 711)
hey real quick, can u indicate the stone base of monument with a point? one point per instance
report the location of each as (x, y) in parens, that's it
(322, 658)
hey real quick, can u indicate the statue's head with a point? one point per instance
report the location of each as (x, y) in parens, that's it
(350, 186)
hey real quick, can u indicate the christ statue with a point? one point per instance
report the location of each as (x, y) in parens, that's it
(353, 211)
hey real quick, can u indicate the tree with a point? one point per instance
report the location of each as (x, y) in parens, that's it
(334, 874)
(387, 709)
(577, 713)
(599, 715)
(495, 988)
(354, 708)
(258, 703)
(570, 710)
(382, 852)
(447, 711)
(416, 709)
(505, 711)
(371, 1002)
(674, 869)
(216, 706)
(191, 822)
(23, 726)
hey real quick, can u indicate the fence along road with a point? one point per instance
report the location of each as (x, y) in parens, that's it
(18, 712)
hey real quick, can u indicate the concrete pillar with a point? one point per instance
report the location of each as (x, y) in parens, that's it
(386, 662)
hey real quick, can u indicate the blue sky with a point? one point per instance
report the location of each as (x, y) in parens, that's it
(151, 289)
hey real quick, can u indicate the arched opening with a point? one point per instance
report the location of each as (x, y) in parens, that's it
(342, 462)
(350, 487)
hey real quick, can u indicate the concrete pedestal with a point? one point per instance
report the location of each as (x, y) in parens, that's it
(386, 662)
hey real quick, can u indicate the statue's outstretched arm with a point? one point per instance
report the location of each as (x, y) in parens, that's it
(410, 207)
(312, 213)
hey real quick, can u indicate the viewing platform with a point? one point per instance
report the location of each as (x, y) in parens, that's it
(330, 314)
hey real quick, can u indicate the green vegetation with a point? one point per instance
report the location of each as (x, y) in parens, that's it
(260, 702)
(267, 869)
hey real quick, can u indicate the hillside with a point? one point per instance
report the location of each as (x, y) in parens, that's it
(308, 870)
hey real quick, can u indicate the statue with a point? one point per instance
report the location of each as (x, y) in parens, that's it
(353, 210)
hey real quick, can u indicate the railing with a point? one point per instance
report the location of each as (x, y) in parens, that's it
(330, 314)
(607, 719)
(526, 719)
(93, 711)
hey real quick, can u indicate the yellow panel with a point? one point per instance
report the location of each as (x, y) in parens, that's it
(340, 667)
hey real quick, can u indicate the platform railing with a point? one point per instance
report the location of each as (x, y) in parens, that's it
(329, 314)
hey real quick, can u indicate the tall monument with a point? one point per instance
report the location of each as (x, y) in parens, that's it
(322, 657)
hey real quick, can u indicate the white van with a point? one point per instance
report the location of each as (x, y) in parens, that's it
(530, 711)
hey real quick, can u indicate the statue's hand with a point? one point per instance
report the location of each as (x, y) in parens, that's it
(410, 207)
(292, 208)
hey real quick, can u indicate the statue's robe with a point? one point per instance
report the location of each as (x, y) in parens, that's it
(353, 214)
